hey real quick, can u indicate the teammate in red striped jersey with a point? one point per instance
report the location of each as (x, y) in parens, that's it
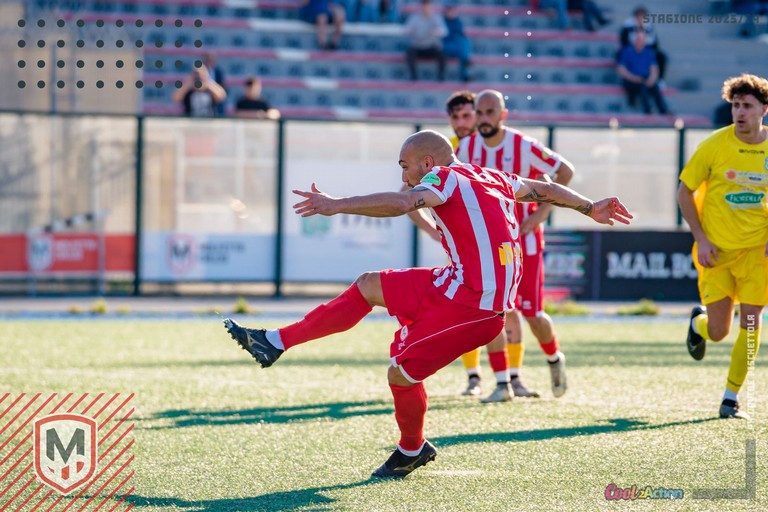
(445, 311)
(497, 146)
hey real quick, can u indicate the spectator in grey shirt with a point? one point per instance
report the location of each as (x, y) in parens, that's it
(425, 30)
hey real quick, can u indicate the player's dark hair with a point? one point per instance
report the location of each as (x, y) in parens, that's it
(746, 84)
(458, 99)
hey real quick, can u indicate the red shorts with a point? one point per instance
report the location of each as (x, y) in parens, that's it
(435, 330)
(530, 292)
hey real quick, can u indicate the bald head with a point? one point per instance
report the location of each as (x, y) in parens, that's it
(421, 152)
(491, 96)
(491, 112)
(429, 143)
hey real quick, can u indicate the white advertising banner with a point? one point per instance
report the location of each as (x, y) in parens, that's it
(172, 256)
(341, 247)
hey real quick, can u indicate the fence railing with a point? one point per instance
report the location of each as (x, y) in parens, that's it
(112, 203)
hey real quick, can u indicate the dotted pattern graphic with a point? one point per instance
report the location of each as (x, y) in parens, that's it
(123, 41)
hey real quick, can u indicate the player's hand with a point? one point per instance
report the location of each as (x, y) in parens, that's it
(706, 252)
(536, 218)
(316, 203)
(608, 210)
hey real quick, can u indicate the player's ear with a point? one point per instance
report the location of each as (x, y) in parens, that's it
(504, 114)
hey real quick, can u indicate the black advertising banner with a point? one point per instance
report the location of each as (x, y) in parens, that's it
(646, 264)
(621, 265)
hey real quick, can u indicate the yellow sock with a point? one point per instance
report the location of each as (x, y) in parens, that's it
(744, 349)
(471, 359)
(515, 355)
(701, 326)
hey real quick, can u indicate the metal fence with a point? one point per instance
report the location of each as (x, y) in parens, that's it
(117, 204)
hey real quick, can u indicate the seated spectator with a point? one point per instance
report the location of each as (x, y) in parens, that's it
(561, 11)
(252, 105)
(639, 22)
(638, 68)
(591, 13)
(456, 43)
(425, 30)
(321, 13)
(199, 94)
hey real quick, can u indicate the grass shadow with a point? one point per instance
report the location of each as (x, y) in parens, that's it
(283, 501)
(612, 425)
(179, 418)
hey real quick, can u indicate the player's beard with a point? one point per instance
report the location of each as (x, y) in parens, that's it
(489, 132)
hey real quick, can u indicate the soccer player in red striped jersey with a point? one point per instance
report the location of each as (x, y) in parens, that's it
(499, 147)
(444, 311)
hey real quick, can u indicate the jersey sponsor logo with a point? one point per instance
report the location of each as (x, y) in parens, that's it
(508, 254)
(752, 151)
(746, 178)
(745, 199)
(431, 179)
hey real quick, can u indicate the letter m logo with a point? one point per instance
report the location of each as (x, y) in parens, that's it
(65, 451)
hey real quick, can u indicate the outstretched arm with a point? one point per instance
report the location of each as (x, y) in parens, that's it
(604, 211)
(383, 204)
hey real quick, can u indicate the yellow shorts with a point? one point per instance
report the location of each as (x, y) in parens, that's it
(741, 275)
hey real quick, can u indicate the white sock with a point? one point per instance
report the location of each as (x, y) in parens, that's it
(514, 373)
(473, 372)
(502, 377)
(730, 395)
(554, 357)
(273, 336)
(411, 453)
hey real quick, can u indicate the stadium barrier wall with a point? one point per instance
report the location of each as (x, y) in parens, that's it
(170, 200)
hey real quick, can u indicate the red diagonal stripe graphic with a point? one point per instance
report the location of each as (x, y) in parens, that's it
(18, 493)
(21, 443)
(14, 467)
(29, 498)
(12, 405)
(114, 397)
(31, 417)
(114, 491)
(77, 403)
(26, 438)
(127, 431)
(122, 420)
(4, 397)
(23, 471)
(34, 399)
(98, 397)
(105, 484)
(116, 410)
(130, 491)
(85, 489)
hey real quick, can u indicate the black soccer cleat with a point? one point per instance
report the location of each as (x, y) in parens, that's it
(399, 464)
(732, 409)
(695, 343)
(253, 341)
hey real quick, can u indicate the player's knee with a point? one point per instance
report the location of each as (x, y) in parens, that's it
(396, 377)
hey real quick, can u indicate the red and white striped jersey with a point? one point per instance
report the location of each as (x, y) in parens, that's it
(479, 232)
(517, 154)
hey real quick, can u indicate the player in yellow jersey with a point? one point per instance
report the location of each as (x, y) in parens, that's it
(722, 196)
